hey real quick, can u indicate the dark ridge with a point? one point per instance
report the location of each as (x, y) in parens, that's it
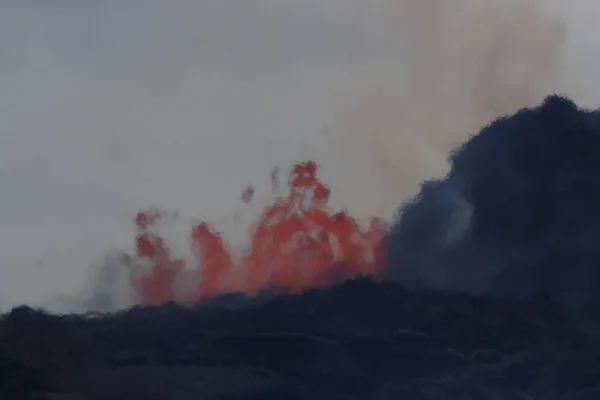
(357, 340)
(518, 214)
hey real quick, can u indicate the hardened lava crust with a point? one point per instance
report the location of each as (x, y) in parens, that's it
(358, 340)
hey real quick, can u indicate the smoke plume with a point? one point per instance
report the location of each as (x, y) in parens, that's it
(498, 221)
(462, 64)
(531, 182)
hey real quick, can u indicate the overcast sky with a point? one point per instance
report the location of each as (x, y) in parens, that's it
(109, 106)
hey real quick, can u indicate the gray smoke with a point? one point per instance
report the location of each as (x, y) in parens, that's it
(462, 64)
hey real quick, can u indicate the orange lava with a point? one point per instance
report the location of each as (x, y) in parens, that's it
(298, 243)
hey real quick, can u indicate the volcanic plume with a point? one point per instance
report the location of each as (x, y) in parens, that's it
(517, 215)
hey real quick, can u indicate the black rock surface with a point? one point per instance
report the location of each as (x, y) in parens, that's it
(358, 340)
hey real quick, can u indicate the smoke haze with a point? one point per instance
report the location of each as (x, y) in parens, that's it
(107, 108)
(464, 64)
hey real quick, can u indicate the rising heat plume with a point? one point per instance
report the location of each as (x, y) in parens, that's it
(297, 243)
(461, 64)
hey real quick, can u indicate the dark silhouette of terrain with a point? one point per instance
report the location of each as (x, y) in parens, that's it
(490, 293)
(358, 340)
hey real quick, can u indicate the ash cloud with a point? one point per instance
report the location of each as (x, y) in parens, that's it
(461, 64)
(532, 182)
(465, 64)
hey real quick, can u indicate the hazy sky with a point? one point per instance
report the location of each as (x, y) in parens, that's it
(109, 106)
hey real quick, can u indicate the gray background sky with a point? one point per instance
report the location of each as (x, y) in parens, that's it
(109, 106)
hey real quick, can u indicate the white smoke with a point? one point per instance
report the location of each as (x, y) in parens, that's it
(461, 65)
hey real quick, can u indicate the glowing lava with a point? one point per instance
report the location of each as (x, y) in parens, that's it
(298, 243)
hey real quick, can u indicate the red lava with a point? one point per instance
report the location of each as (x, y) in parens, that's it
(298, 243)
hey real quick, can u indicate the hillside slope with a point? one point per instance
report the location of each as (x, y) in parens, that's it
(358, 340)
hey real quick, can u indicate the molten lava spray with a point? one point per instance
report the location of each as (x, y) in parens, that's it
(297, 243)
(444, 71)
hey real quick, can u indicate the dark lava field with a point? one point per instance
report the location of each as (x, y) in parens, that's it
(358, 340)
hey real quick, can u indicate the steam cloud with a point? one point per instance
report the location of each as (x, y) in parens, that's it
(464, 63)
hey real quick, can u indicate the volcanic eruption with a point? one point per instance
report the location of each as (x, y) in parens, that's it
(516, 216)
(482, 286)
(297, 243)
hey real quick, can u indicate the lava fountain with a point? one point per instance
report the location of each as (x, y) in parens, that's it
(297, 243)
